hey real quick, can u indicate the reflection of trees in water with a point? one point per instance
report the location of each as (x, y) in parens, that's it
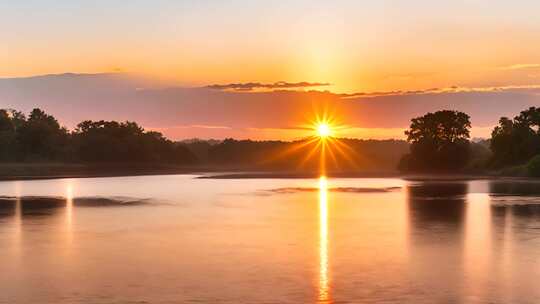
(521, 188)
(515, 206)
(7, 208)
(50, 205)
(436, 203)
(41, 206)
(30, 206)
(516, 198)
(437, 237)
(525, 211)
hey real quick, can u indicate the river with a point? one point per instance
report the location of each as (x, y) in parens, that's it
(182, 239)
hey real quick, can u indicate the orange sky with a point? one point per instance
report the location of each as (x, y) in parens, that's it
(211, 112)
(355, 46)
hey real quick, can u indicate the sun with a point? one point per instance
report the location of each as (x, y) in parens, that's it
(324, 130)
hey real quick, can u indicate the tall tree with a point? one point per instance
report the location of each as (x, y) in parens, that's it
(518, 140)
(439, 142)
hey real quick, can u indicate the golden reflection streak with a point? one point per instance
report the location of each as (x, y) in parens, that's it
(478, 243)
(69, 210)
(18, 217)
(323, 296)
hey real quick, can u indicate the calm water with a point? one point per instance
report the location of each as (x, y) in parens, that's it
(177, 239)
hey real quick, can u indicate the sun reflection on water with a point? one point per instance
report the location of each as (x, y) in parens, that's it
(323, 296)
(69, 211)
(17, 235)
(69, 204)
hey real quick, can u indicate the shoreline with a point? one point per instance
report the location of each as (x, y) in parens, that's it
(408, 177)
(44, 171)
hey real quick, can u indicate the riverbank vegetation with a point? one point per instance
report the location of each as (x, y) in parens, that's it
(40, 138)
(440, 142)
(37, 144)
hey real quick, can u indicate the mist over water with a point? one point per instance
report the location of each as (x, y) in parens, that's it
(179, 239)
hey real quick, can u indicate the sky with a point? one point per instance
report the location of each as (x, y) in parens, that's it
(352, 46)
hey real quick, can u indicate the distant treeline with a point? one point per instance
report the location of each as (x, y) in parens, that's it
(39, 137)
(305, 155)
(440, 143)
(436, 142)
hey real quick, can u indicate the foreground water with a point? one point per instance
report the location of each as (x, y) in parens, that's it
(178, 239)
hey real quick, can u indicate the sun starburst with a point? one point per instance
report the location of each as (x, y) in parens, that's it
(322, 146)
(324, 130)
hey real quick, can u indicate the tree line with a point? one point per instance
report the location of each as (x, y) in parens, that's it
(39, 137)
(437, 142)
(305, 155)
(440, 142)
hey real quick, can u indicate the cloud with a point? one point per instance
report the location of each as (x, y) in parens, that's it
(448, 90)
(519, 66)
(250, 86)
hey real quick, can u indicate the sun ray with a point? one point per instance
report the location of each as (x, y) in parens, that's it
(359, 157)
(295, 147)
(335, 161)
(322, 164)
(333, 152)
(340, 146)
(309, 155)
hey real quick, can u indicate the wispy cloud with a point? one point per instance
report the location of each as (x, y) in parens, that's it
(250, 86)
(519, 66)
(453, 89)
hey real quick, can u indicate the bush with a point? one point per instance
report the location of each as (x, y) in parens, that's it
(533, 166)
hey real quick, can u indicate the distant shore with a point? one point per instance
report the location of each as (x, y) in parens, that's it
(37, 171)
(411, 177)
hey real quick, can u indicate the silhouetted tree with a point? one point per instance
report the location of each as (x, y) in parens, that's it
(41, 137)
(10, 121)
(518, 140)
(111, 141)
(439, 142)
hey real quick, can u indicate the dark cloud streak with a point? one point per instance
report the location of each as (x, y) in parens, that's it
(249, 86)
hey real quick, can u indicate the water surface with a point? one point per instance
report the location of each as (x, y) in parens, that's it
(179, 239)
